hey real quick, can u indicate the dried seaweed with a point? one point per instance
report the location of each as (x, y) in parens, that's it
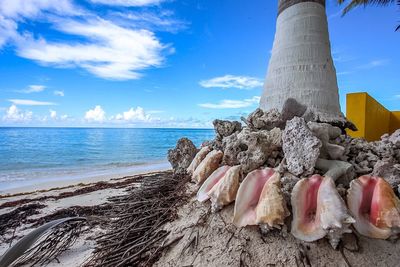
(135, 237)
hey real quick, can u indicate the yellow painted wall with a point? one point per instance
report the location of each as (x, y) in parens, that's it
(355, 112)
(371, 118)
(394, 121)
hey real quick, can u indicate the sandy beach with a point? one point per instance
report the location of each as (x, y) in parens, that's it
(58, 200)
(196, 237)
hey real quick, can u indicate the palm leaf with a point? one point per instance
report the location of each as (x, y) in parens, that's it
(27, 241)
(355, 3)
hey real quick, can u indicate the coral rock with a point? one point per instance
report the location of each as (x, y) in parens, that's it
(182, 155)
(326, 132)
(291, 108)
(300, 146)
(264, 120)
(226, 128)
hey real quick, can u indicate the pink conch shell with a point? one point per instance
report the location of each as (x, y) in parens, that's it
(375, 207)
(198, 159)
(248, 196)
(212, 180)
(209, 164)
(224, 192)
(271, 209)
(318, 210)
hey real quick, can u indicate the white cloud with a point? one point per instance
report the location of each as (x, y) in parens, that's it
(13, 114)
(34, 89)
(134, 115)
(227, 104)
(34, 8)
(162, 20)
(58, 93)
(53, 114)
(95, 115)
(374, 63)
(28, 102)
(128, 2)
(104, 45)
(231, 81)
(113, 52)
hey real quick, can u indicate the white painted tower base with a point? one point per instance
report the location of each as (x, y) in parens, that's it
(301, 65)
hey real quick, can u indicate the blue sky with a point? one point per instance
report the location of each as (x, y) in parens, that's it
(165, 63)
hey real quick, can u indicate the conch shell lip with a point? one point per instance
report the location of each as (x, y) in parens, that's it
(248, 196)
(375, 207)
(210, 182)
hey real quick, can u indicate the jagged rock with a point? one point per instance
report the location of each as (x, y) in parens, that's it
(301, 148)
(251, 149)
(395, 138)
(288, 181)
(264, 120)
(389, 170)
(292, 108)
(182, 155)
(226, 128)
(326, 132)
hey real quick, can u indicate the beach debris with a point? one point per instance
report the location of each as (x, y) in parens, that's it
(260, 201)
(209, 164)
(225, 190)
(198, 159)
(300, 146)
(182, 155)
(210, 182)
(319, 211)
(375, 207)
(136, 236)
(22, 252)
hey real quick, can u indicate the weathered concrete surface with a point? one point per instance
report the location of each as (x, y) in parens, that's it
(301, 65)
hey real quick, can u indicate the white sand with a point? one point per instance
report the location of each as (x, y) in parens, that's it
(84, 246)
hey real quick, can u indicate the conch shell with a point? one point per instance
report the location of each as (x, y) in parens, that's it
(318, 210)
(212, 180)
(224, 192)
(375, 207)
(208, 165)
(198, 159)
(260, 200)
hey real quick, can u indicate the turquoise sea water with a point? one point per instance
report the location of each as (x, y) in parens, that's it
(34, 155)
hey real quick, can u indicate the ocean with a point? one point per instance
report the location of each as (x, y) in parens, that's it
(29, 156)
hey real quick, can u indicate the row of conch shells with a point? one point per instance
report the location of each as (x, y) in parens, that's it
(318, 209)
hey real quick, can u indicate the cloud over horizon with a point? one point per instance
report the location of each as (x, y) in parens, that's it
(231, 104)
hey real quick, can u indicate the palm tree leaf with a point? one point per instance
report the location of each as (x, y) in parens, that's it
(27, 241)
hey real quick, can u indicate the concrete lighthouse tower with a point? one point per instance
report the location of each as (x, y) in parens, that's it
(301, 65)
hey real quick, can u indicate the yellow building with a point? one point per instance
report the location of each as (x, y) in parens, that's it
(371, 118)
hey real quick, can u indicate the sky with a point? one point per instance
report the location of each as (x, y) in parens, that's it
(166, 63)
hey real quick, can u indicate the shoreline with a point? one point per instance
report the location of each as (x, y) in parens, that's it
(40, 184)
